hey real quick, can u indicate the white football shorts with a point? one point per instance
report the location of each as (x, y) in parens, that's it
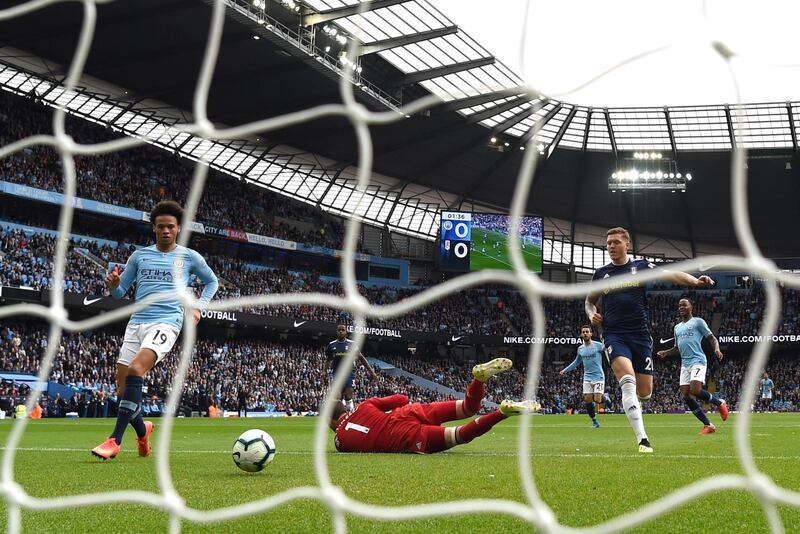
(693, 373)
(158, 337)
(590, 388)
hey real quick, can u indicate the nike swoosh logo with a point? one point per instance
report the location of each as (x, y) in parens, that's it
(299, 323)
(666, 340)
(456, 338)
(87, 301)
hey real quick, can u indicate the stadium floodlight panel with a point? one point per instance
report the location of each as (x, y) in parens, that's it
(645, 180)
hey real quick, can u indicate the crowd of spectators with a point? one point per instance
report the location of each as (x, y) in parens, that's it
(140, 177)
(26, 260)
(292, 377)
(275, 376)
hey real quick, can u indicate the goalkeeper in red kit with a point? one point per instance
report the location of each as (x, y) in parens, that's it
(391, 424)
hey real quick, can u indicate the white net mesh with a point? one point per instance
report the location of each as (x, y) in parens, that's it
(534, 511)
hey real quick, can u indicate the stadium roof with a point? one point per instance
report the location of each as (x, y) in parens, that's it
(474, 72)
(442, 158)
(570, 42)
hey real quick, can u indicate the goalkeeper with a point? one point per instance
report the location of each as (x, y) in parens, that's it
(391, 424)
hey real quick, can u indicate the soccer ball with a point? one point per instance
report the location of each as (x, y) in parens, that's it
(253, 450)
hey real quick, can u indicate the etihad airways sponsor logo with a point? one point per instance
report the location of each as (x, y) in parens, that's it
(530, 340)
(374, 331)
(219, 315)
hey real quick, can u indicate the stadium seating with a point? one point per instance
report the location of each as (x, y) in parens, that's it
(141, 177)
(291, 376)
(288, 376)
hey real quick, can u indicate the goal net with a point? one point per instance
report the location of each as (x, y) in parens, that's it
(534, 511)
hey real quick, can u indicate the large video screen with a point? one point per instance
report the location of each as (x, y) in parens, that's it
(473, 241)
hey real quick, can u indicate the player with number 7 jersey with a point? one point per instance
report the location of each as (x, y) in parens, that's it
(689, 334)
(152, 332)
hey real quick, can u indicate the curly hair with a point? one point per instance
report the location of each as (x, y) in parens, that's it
(167, 207)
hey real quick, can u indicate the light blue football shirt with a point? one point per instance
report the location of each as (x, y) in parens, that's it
(152, 271)
(591, 357)
(766, 385)
(689, 336)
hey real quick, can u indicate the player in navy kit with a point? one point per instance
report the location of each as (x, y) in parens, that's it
(590, 355)
(152, 332)
(335, 353)
(626, 326)
(689, 334)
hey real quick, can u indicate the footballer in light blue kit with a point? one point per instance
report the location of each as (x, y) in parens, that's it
(590, 355)
(626, 326)
(152, 332)
(689, 335)
(766, 384)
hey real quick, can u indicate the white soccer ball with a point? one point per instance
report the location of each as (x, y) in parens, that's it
(253, 450)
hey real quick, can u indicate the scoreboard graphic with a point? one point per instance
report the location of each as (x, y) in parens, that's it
(456, 240)
(471, 241)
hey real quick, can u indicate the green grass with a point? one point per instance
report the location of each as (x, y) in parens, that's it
(586, 476)
(490, 259)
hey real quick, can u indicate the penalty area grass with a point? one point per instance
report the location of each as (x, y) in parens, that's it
(586, 476)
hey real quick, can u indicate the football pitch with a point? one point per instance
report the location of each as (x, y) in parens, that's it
(486, 256)
(586, 476)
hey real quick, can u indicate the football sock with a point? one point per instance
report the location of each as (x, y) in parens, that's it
(473, 397)
(630, 403)
(590, 409)
(131, 399)
(697, 411)
(478, 427)
(137, 422)
(706, 396)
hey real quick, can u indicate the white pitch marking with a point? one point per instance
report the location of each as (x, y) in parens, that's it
(467, 453)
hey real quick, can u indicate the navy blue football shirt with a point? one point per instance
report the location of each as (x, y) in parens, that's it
(624, 308)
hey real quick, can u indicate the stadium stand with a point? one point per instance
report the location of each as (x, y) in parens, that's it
(285, 376)
(26, 261)
(144, 176)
